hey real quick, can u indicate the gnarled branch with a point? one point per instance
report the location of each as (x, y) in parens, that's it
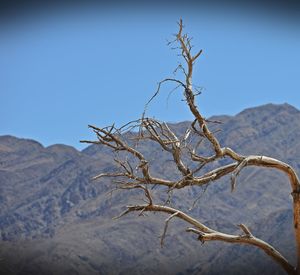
(185, 153)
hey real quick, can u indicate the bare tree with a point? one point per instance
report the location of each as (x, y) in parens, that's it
(135, 171)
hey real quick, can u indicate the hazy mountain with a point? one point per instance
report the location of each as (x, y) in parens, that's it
(55, 220)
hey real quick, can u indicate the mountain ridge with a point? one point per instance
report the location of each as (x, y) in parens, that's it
(50, 208)
(281, 106)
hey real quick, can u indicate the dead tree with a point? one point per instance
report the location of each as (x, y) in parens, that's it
(135, 172)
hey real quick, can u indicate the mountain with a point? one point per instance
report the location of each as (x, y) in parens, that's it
(55, 220)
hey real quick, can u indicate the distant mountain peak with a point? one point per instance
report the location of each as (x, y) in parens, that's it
(270, 109)
(16, 143)
(59, 147)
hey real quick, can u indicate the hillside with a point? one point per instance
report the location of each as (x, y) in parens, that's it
(55, 220)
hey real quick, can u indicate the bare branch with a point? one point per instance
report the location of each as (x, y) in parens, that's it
(171, 211)
(166, 228)
(158, 90)
(113, 175)
(138, 186)
(122, 214)
(134, 168)
(248, 239)
(196, 55)
(182, 39)
(263, 161)
(246, 230)
(207, 234)
(236, 172)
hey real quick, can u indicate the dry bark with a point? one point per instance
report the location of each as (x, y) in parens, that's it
(135, 174)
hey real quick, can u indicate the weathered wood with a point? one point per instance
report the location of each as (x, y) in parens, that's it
(139, 177)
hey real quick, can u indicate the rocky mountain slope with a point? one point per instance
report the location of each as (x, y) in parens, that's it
(55, 220)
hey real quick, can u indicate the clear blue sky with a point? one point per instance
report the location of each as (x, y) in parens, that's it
(63, 69)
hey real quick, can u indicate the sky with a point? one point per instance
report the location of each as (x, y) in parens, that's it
(66, 67)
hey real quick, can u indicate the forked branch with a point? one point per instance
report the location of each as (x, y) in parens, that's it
(134, 170)
(207, 234)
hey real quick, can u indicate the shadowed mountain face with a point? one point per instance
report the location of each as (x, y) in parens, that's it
(54, 220)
